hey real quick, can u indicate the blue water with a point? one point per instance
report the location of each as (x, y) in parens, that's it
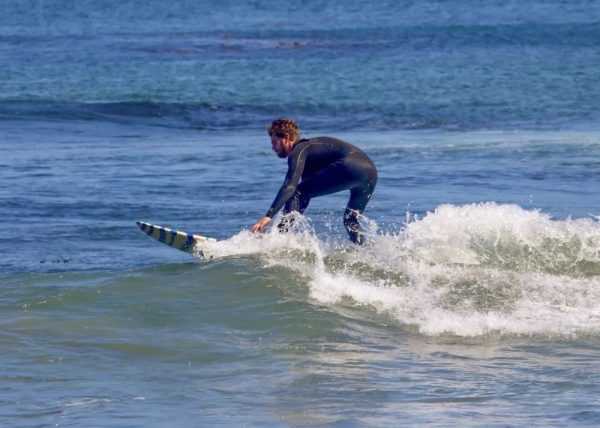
(475, 303)
(344, 65)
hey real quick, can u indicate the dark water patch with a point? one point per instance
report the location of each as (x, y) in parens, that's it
(423, 36)
(363, 41)
(591, 417)
(343, 41)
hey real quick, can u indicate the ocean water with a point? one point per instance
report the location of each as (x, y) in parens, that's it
(476, 301)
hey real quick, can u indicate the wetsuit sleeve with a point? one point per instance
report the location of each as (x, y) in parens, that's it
(292, 178)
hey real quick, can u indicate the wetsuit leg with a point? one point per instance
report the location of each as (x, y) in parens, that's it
(359, 198)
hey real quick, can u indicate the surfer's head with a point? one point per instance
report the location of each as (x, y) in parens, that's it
(284, 133)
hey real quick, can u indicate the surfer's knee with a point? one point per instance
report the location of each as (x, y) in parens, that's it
(294, 206)
(287, 221)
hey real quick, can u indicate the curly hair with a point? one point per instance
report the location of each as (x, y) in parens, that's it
(285, 126)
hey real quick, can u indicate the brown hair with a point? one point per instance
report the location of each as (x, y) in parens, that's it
(285, 126)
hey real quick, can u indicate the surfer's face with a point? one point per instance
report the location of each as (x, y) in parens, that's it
(281, 144)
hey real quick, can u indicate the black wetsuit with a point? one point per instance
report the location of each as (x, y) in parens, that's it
(324, 165)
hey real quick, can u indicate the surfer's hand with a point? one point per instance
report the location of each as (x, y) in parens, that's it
(260, 225)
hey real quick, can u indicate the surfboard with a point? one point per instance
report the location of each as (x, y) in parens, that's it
(183, 241)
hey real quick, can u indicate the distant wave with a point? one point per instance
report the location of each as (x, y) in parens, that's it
(177, 115)
(209, 116)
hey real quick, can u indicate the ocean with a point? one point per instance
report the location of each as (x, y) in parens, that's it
(475, 302)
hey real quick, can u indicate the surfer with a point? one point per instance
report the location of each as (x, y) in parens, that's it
(316, 167)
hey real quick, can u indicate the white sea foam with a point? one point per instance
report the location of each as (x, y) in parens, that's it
(479, 269)
(246, 243)
(87, 401)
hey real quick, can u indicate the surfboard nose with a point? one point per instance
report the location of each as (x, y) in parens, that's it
(145, 227)
(183, 241)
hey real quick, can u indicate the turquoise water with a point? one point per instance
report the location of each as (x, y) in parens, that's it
(352, 65)
(475, 302)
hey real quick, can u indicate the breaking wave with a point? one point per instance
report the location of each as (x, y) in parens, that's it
(472, 270)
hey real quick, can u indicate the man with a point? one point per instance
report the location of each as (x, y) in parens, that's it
(316, 167)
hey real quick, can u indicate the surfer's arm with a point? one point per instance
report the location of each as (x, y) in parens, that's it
(290, 184)
(287, 190)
